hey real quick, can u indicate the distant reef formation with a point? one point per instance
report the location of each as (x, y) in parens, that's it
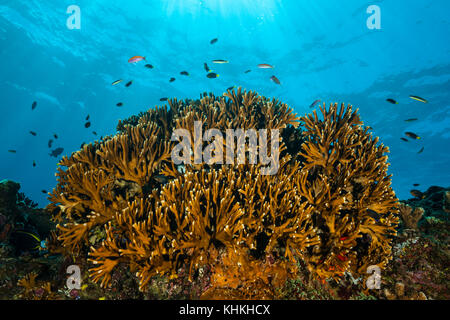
(140, 226)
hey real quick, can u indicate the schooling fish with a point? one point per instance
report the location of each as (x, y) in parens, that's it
(129, 83)
(116, 82)
(214, 41)
(94, 133)
(421, 150)
(275, 79)
(265, 66)
(87, 118)
(412, 135)
(418, 99)
(34, 105)
(404, 139)
(314, 103)
(416, 184)
(247, 71)
(220, 61)
(33, 133)
(44, 191)
(119, 104)
(55, 153)
(164, 99)
(34, 163)
(149, 66)
(172, 79)
(411, 120)
(212, 75)
(392, 101)
(12, 151)
(184, 73)
(136, 59)
(231, 88)
(87, 124)
(417, 194)
(55, 136)
(207, 69)
(50, 142)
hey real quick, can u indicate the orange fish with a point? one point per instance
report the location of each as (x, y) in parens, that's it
(136, 59)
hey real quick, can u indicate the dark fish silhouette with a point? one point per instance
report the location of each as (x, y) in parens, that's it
(55, 136)
(87, 118)
(214, 41)
(12, 151)
(34, 163)
(416, 184)
(119, 104)
(184, 73)
(44, 191)
(207, 69)
(50, 142)
(55, 153)
(418, 99)
(275, 79)
(412, 135)
(149, 66)
(248, 71)
(34, 105)
(164, 99)
(33, 133)
(314, 103)
(417, 194)
(94, 133)
(404, 139)
(172, 79)
(411, 119)
(129, 83)
(421, 150)
(392, 101)
(231, 88)
(87, 124)
(212, 75)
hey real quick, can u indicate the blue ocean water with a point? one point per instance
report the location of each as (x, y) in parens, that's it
(320, 50)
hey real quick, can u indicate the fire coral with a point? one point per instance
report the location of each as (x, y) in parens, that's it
(330, 204)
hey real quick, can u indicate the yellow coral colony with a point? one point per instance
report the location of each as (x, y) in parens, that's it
(156, 217)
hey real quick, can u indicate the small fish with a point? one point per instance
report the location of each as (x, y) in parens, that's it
(44, 191)
(404, 139)
(421, 150)
(55, 136)
(164, 99)
(55, 153)
(212, 75)
(119, 104)
(231, 88)
(416, 184)
(129, 83)
(418, 99)
(149, 66)
(392, 101)
(314, 103)
(34, 163)
(411, 120)
(275, 79)
(116, 82)
(87, 124)
(34, 105)
(33, 133)
(417, 194)
(412, 135)
(50, 142)
(136, 59)
(87, 118)
(247, 71)
(84, 287)
(12, 151)
(94, 133)
(172, 79)
(265, 66)
(214, 41)
(42, 244)
(220, 61)
(184, 73)
(207, 69)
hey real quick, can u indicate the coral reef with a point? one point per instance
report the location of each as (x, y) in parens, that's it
(122, 202)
